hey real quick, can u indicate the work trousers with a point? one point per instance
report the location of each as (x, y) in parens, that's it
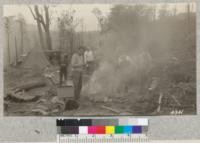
(77, 81)
(63, 74)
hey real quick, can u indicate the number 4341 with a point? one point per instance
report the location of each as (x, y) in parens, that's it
(177, 112)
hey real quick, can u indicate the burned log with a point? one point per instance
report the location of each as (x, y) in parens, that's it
(19, 94)
(30, 85)
(22, 97)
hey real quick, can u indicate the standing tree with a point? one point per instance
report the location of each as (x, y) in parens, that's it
(7, 25)
(22, 30)
(67, 25)
(16, 52)
(164, 12)
(101, 20)
(62, 32)
(188, 13)
(174, 11)
(46, 25)
(45, 22)
(36, 17)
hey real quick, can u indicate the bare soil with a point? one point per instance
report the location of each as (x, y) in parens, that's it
(131, 103)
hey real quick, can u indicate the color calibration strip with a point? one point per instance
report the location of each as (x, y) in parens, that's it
(123, 130)
(102, 130)
(102, 126)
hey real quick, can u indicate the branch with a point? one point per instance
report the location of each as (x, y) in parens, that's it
(46, 9)
(32, 12)
(37, 16)
(41, 20)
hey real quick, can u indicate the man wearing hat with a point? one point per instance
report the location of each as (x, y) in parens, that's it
(77, 63)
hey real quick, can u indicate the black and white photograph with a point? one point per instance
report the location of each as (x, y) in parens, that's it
(99, 59)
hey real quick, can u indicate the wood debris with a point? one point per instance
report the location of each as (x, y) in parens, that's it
(30, 85)
(110, 109)
(159, 102)
(22, 96)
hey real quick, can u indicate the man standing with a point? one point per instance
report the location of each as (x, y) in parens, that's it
(77, 63)
(89, 60)
(63, 68)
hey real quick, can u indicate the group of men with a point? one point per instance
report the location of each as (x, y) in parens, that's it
(82, 59)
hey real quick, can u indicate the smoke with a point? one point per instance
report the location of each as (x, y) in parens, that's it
(120, 66)
(136, 48)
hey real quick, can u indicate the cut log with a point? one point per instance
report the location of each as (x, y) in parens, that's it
(22, 97)
(30, 85)
(39, 112)
(110, 109)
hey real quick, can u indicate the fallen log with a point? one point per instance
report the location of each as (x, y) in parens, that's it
(22, 97)
(30, 85)
(39, 112)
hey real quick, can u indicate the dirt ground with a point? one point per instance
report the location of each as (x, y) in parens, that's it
(86, 108)
(131, 103)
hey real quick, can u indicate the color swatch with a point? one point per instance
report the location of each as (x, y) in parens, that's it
(101, 126)
(110, 129)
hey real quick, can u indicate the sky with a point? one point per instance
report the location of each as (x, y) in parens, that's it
(83, 11)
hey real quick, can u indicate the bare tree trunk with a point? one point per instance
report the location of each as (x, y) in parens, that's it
(16, 54)
(71, 44)
(45, 23)
(8, 44)
(48, 39)
(41, 38)
(22, 42)
(154, 13)
(21, 27)
(46, 27)
(7, 26)
(188, 12)
(22, 36)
